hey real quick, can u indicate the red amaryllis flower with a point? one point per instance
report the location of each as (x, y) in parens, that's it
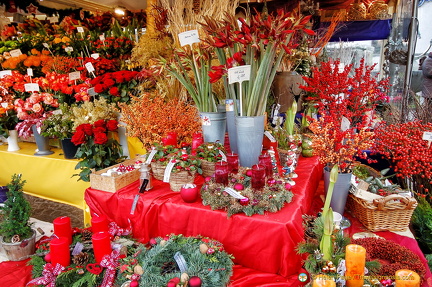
(78, 137)
(112, 125)
(100, 138)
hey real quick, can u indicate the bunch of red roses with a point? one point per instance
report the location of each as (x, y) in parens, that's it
(96, 149)
(115, 86)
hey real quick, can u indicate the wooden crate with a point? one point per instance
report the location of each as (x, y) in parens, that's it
(114, 182)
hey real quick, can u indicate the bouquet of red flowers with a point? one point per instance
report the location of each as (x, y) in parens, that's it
(98, 149)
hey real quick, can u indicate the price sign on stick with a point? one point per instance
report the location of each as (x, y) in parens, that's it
(80, 29)
(427, 136)
(5, 73)
(189, 37)
(31, 87)
(30, 72)
(345, 124)
(74, 76)
(239, 74)
(15, 53)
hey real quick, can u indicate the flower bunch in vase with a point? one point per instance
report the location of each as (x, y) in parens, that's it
(8, 118)
(60, 125)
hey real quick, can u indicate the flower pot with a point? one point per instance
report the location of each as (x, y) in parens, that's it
(231, 127)
(21, 250)
(213, 126)
(340, 191)
(41, 142)
(12, 141)
(250, 132)
(69, 148)
(208, 168)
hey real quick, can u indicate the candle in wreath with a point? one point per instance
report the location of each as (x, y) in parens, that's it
(63, 228)
(322, 280)
(101, 245)
(355, 260)
(258, 176)
(221, 172)
(197, 140)
(265, 160)
(59, 251)
(407, 278)
(233, 162)
(99, 223)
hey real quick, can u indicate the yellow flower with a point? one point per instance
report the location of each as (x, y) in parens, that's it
(65, 39)
(57, 40)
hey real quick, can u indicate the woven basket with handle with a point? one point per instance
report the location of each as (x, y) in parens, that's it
(158, 170)
(208, 167)
(178, 179)
(392, 212)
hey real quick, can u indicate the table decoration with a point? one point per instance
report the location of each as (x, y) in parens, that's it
(209, 154)
(221, 172)
(189, 192)
(239, 196)
(8, 121)
(407, 278)
(176, 259)
(233, 162)
(181, 169)
(258, 176)
(355, 261)
(63, 228)
(99, 223)
(159, 158)
(59, 251)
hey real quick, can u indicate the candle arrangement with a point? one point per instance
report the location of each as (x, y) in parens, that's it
(63, 228)
(355, 260)
(99, 223)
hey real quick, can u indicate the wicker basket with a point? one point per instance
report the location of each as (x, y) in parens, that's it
(208, 168)
(391, 213)
(178, 179)
(158, 170)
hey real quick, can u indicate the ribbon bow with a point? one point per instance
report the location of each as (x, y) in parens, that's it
(116, 230)
(49, 275)
(111, 263)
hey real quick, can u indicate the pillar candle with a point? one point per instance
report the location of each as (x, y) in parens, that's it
(233, 162)
(407, 278)
(221, 172)
(258, 176)
(99, 223)
(63, 228)
(101, 245)
(355, 260)
(59, 251)
(323, 281)
(265, 160)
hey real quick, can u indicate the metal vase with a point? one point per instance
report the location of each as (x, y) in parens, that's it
(213, 126)
(43, 147)
(250, 132)
(340, 191)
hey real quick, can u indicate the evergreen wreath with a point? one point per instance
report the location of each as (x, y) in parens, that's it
(205, 258)
(271, 198)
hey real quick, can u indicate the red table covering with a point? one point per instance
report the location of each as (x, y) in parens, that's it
(265, 243)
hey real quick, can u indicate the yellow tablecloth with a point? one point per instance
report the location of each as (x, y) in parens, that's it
(48, 177)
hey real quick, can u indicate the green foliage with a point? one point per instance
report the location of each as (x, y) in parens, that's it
(16, 212)
(60, 125)
(8, 121)
(422, 224)
(429, 259)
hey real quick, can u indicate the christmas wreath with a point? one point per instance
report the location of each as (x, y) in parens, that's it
(271, 198)
(392, 255)
(177, 260)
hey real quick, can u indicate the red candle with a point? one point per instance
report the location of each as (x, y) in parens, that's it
(197, 140)
(99, 223)
(233, 162)
(258, 176)
(265, 160)
(171, 138)
(221, 172)
(101, 245)
(63, 228)
(59, 251)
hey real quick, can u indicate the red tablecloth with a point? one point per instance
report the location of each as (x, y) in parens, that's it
(262, 242)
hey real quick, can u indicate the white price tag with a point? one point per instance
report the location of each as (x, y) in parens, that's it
(91, 92)
(15, 53)
(233, 193)
(95, 56)
(102, 37)
(345, 124)
(5, 73)
(80, 29)
(30, 72)
(31, 87)
(53, 19)
(89, 67)
(224, 158)
(57, 112)
(168, 170)
(270, 136)
(229, 105)
(4, 105)
(150, 156)
(68, 49)
(239, 74)
(74, 76)
(45, 45)
(181, 262)
(188, 37)
(427, 136)
(205, 120)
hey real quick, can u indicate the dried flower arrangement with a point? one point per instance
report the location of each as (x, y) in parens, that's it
(90, 112)
(150, 116)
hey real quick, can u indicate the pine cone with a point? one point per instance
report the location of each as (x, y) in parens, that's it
(86, 235)
(80, 259)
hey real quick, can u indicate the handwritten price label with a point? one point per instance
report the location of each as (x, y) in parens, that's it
(168, 170)
(95, 56)
(270, 136)
(31, 87)
(345, 124)
(74, 76)
(151, 155)
(239, 74)
(89, 67)
(15, 53)
(102, 37)
(427, 136)
(5, 73)
(80, 29)
(224, 158)
(189, 37)
(233, 193)
(53, 19)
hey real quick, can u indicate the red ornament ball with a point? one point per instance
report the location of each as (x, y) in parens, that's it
(288, 186)
(249, 172)
(207, 178)
(134, 284)
(195, 281)
(47, 258)
(171, 284)
(244, 201)
(238, 186)
(175, 280)
(153, 241)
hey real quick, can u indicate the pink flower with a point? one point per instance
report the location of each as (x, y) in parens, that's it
(34, 98)
(48, 99)
(37, 108)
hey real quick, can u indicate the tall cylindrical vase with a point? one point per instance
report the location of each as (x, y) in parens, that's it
(213, 126)
(41, 142)
(231, 126)
(12, 141)
(340, 191)
(250, 132)
(122, 136)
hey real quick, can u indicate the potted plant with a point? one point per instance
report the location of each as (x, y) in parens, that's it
(209, 154)
(60, 126)
(8, 122)
(17, 236)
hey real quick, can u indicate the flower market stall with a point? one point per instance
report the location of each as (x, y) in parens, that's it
(163, 128)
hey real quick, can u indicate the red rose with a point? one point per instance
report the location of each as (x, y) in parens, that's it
(98, 130)
(98, 88)
(85, 128)
(78, 137)
(114, 91)
(100, 138)
(112, 125)
(99, 123)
